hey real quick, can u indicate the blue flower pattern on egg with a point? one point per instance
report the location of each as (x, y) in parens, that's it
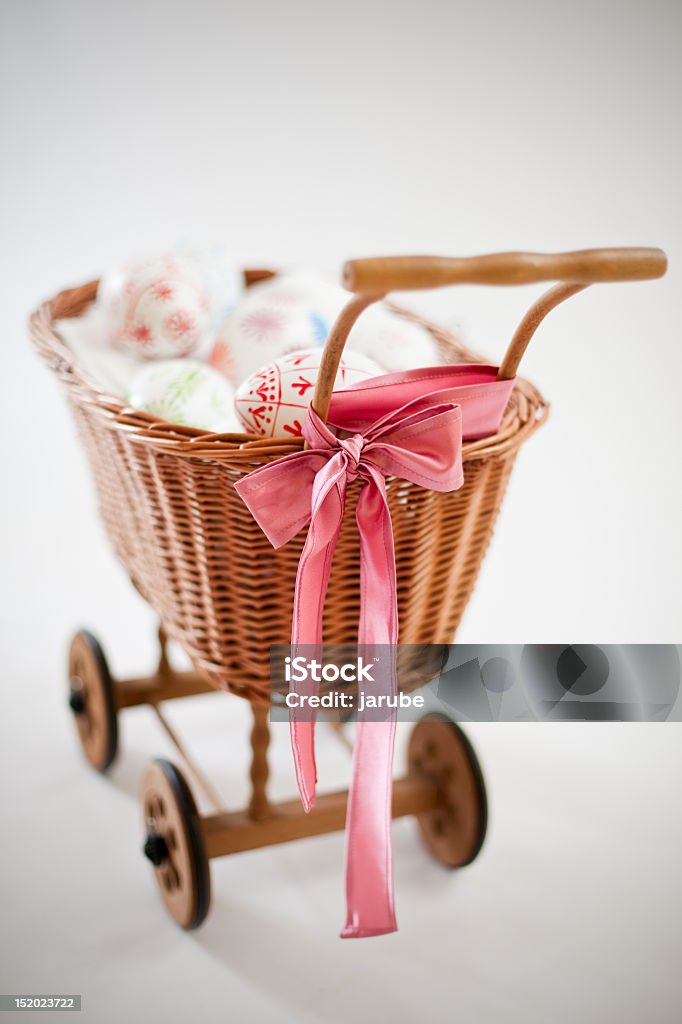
(320, 328)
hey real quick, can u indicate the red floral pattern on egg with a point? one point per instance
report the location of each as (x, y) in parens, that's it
(162, 290)
(222, 359)
(264, 324)
(181, 323)
(141, 333)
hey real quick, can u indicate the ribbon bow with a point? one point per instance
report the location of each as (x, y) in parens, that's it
(417, 437)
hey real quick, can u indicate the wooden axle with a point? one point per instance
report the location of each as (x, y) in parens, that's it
(236, 831)
(167, 685)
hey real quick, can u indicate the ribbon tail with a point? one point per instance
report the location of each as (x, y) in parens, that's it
(312, 578)
(370, 908)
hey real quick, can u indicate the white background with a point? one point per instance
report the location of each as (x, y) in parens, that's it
(309, 133)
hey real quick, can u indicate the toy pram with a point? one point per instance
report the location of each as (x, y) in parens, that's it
(195, 553)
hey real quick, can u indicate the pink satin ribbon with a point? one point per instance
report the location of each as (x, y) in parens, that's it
(408, 425)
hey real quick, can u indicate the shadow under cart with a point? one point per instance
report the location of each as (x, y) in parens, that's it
(443, 789)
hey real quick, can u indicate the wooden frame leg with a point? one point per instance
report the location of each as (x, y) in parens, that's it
(259, 805)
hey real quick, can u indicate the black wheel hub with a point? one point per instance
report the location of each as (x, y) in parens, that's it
(155, 849)
(77, 700)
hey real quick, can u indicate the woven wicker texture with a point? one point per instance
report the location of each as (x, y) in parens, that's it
(194, 552)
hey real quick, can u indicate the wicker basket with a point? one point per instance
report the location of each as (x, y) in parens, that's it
(194, 552)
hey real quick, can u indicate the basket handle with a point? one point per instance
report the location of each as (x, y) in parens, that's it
(407, 273)
(372, 279)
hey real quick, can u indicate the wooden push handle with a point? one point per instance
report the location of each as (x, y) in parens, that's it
(589, 266)
(372, 279)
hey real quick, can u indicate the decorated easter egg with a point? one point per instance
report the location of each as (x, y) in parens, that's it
(297, 310)
(187, 392)
(274, 317)
(258, 334)
(274, 400)
(157, 308)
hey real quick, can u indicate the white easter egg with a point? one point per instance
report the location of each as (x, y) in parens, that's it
(324, 298)
(395, 341)
(274, 400)
(157, 308)
(220, 275)
(186, 392)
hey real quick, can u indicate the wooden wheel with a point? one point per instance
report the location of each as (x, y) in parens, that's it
(455, 829)
(174, 844)
(91, 698)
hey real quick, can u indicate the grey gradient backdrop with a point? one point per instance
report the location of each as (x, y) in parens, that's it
(309, 133)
